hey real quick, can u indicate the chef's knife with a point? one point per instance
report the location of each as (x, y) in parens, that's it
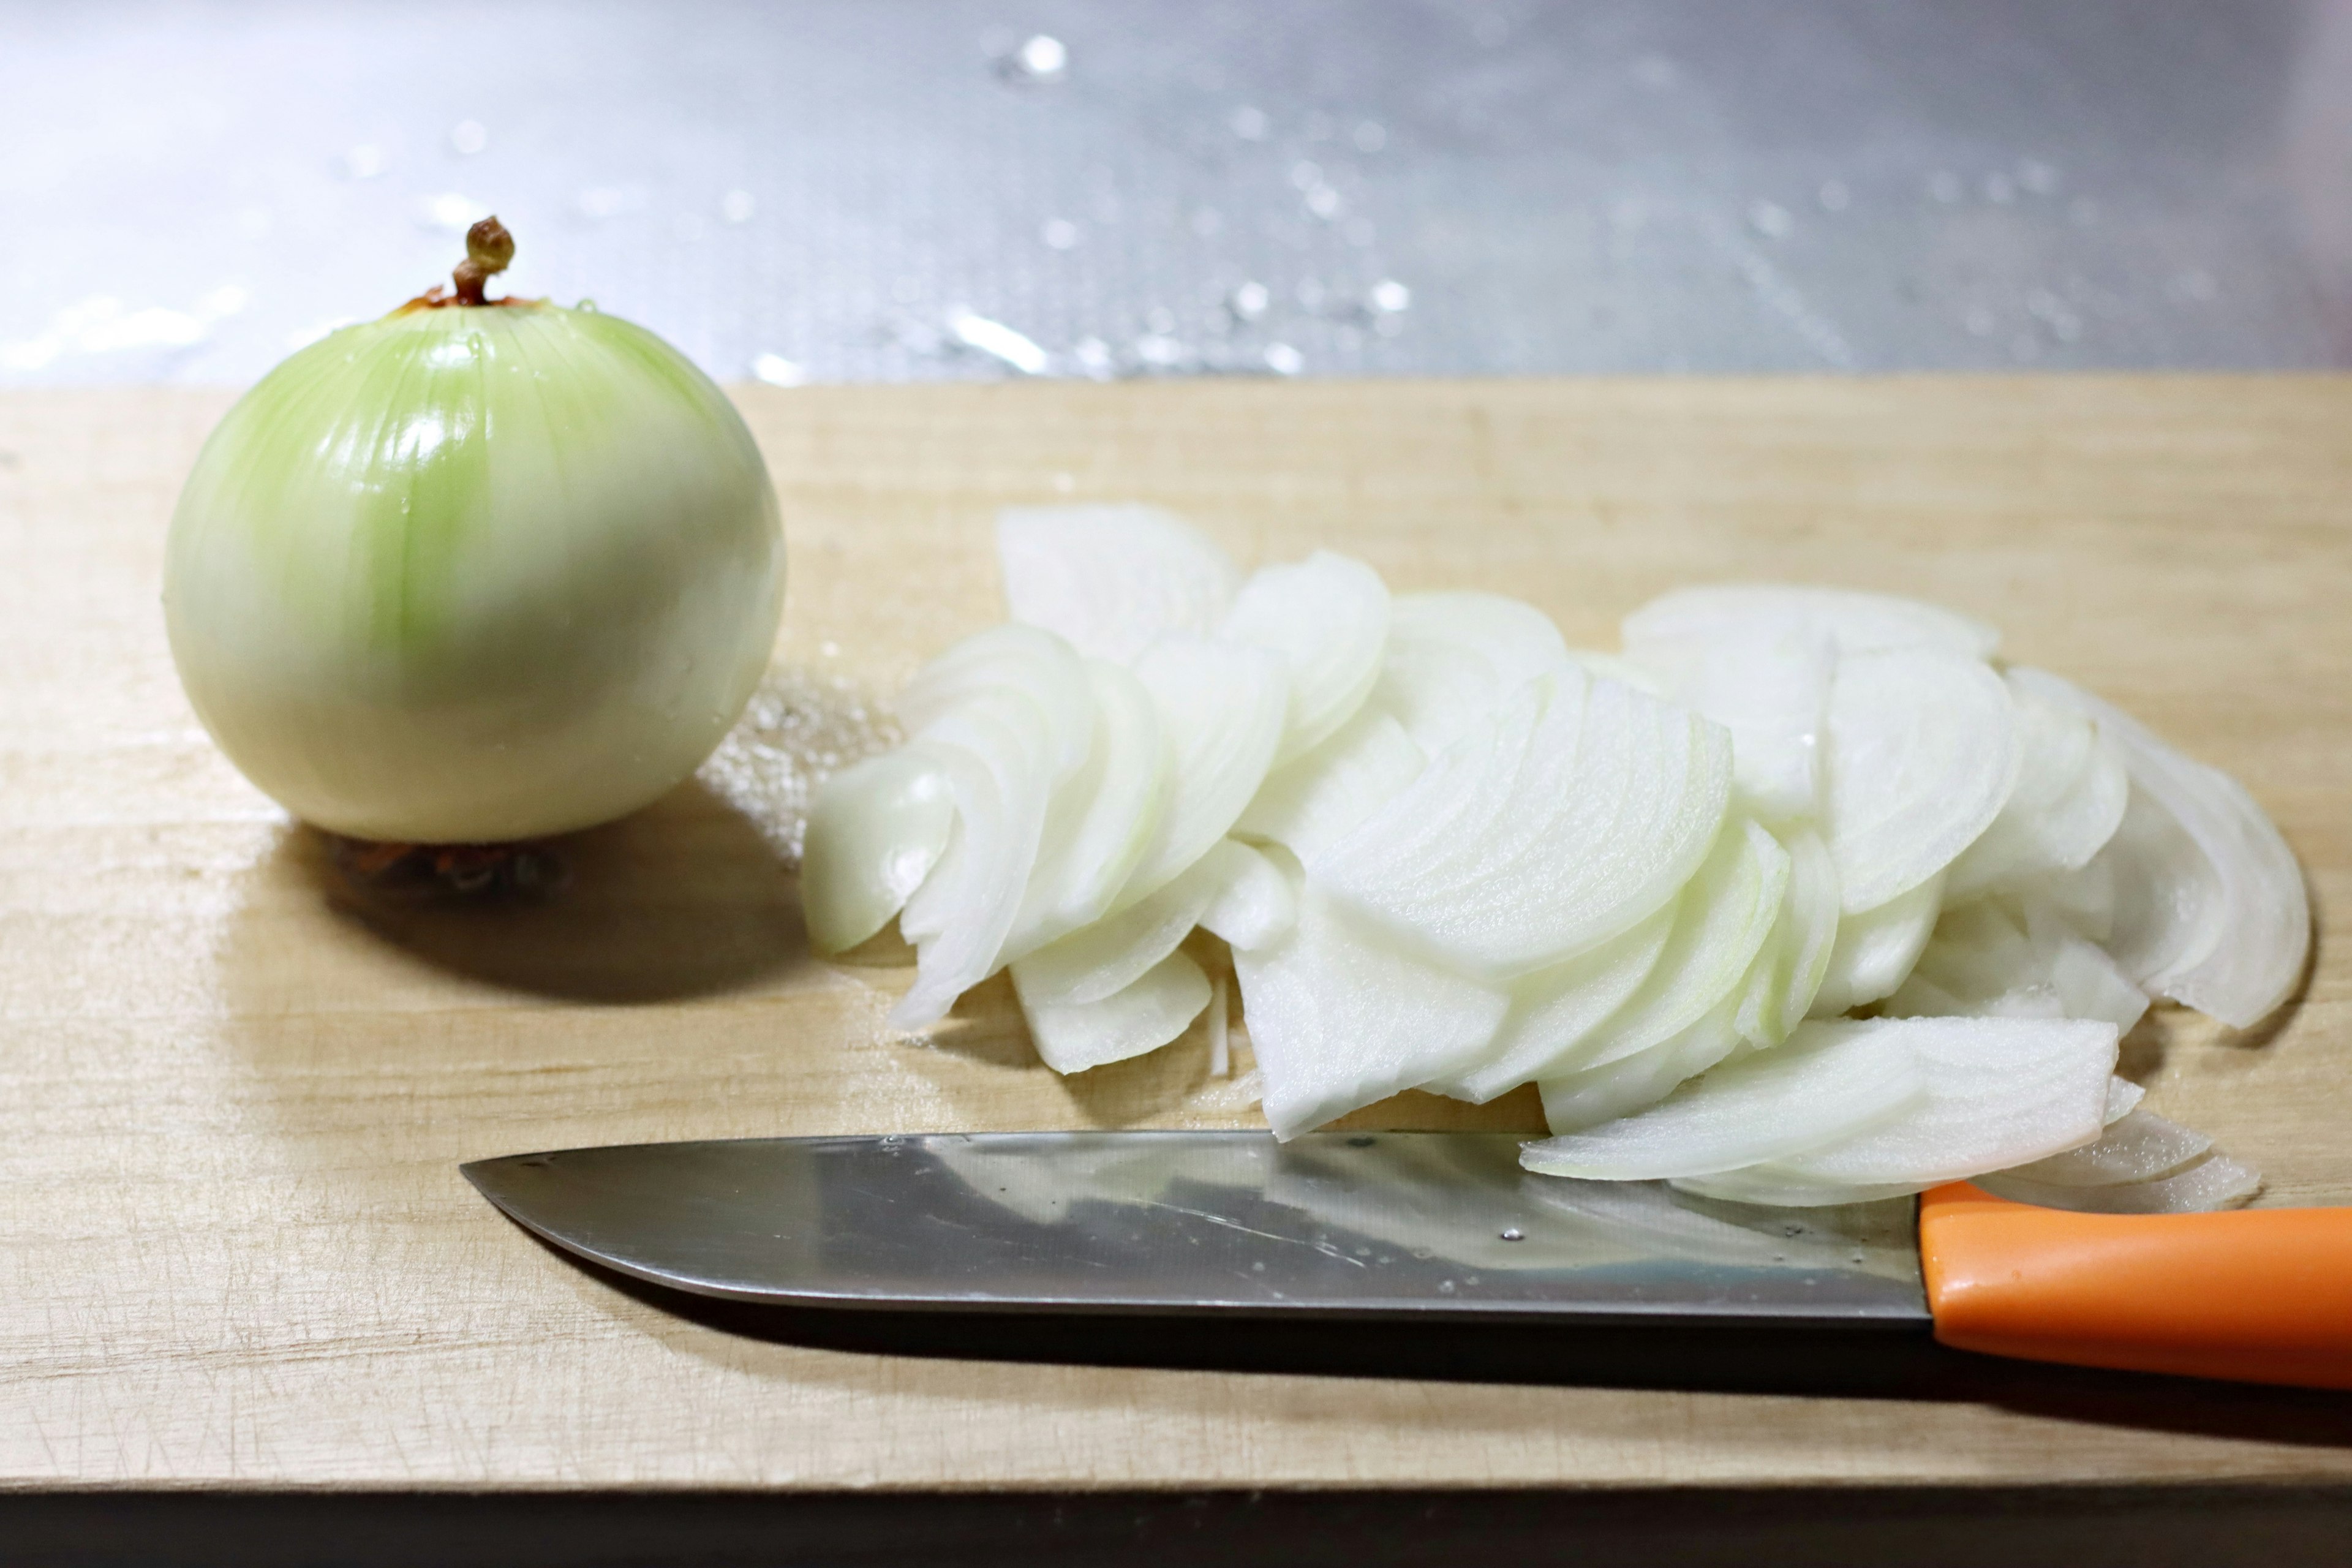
(1432, 1226)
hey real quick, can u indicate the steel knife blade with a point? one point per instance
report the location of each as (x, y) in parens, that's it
(1337, 1225)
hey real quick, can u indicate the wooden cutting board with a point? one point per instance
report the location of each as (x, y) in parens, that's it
(234, 1091)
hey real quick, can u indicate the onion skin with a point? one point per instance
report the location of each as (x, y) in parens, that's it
(469, 573)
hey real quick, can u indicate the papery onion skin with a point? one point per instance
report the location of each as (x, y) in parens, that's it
(469, 573)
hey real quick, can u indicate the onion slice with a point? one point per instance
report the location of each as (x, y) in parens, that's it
(2141, 1147)
(1221, 706)
(1453, 657)
(1109, 955)
(1788, 973)
(1150, 1011)
(1112, 579)
(1256, 902)
(1317, 800)
(1567, 816)
(1877, 949)
(1593, 1095)
(996, 753)
(1555, 1009)
(1823, 1086)
(1328, 617)
(1102, 818)
(2001, 1092)
(2218, 1182)
(1339, 1019)
(1725, 917)
(2068, 801)
(1768, 684)
(1857, 622)
(874, 831)
(1922, 752)
(2218, 917)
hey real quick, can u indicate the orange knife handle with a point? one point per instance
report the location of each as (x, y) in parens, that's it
(2256, 1295)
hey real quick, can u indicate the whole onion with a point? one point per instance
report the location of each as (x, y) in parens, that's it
(476, 571)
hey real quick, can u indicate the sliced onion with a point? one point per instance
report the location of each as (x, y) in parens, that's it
(1102, 818)
(1256, 902)
(2067, 802)
(1570, 813)
(1725, 915)
(1339, 1019)
(1875, 950)
(1150, 1011)
(2141, 1147)
(1769, 1187)
(1556, 1008)
(1327, 616)
(1317, 800)
(1988, 960)
(1861, 623)
(1452, 657)
(1922, 752)
(2217, 916)
(2218, 1182)
(1107, 957)
(2123, 1098)
(1112, 579)
(1788, 973)
(1824, 1086)
(1221, 706)
(874, 831)
(1593, 1095)
(1038, 665)
(1768, 684)
(997, 752)
(2001, 1092)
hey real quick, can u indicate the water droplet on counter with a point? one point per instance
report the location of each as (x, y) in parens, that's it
(1771, 220)
(1284, 360)
(1040, 60)
(1158, 351)
(1059, 233)
(1388, 296)
(469, 136)
(1370, 136)
(1249, 300)
(1834, 196)
(1248, 124)
(738, 207)
(778, 370)
(995, 341)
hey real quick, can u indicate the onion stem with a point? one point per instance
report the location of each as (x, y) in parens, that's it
(489, 250)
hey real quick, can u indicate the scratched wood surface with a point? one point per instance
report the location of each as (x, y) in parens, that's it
(235, 1087)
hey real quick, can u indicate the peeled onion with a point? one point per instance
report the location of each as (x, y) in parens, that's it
(474, 571)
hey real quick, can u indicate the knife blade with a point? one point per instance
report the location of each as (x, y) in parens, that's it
(1430, 1226)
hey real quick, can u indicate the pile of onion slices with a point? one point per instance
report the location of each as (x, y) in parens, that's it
(1804, 897)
